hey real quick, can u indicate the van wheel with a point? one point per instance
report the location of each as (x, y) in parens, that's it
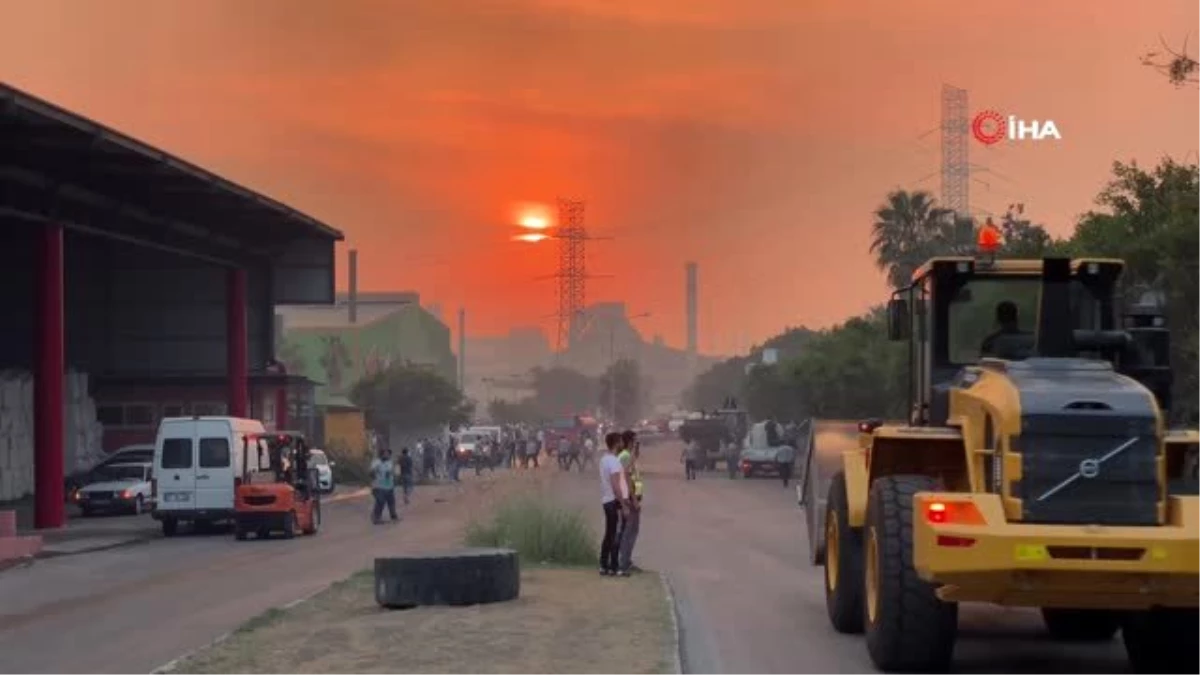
(170, 527)
(289, 525)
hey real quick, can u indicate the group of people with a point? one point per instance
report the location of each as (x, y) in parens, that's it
(384, 471)
(621, 490)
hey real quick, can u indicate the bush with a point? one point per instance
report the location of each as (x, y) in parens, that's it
(538, 530)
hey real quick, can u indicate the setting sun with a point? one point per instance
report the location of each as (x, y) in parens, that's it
(532, 237)
(533, 216)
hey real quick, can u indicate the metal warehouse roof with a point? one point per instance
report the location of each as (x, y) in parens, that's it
(57, 164)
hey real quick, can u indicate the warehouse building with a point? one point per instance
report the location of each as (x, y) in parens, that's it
(134, 285)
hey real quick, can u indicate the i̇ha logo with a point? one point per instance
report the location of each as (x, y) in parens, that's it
(990, 127)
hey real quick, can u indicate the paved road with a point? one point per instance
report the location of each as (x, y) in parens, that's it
(735, 552)
(132, 609)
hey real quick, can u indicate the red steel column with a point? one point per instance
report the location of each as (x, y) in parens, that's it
(236, 339)
(281, 408)
(49, 372)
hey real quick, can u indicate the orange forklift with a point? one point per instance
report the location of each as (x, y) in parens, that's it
(277, 491)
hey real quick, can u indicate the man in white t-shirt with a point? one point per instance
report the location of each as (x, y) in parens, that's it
(614, 495)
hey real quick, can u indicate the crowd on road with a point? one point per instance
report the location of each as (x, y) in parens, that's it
(622, 489)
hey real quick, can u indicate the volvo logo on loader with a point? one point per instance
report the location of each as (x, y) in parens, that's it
(1089, 468)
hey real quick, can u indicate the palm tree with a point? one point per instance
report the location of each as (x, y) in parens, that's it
(909, 228)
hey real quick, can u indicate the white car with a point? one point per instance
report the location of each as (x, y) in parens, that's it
(116, 487)
(319, 461)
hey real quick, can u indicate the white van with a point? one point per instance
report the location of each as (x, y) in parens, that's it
(196, 463)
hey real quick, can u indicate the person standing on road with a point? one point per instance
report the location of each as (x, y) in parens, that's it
(406, 474)
(383, 486)
(614, 496)
(632, 520)
(689, 457)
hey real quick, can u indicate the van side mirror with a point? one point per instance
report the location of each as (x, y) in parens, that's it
(898, 319)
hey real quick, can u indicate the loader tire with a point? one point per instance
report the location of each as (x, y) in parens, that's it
(908, 628)
(1081, 625)
(473, 576)
(843, 562)
(1162, 640)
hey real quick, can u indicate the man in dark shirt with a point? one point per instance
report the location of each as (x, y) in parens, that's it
(1008, 342)
(406, 474)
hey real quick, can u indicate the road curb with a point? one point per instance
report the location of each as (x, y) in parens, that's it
(676, 649)
(170, 666)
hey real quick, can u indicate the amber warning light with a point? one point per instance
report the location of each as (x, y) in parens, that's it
(989, 237)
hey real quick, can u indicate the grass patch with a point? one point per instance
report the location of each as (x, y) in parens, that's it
(566, 621)
(538, 529)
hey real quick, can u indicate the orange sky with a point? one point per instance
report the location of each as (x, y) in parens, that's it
(754, 137)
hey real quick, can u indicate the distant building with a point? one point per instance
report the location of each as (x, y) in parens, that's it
(322, 342)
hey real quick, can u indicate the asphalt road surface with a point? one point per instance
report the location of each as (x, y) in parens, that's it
(735, 552)
(135, 608)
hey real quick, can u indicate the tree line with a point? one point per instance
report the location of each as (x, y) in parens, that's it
(1148, 218)
(621, 392)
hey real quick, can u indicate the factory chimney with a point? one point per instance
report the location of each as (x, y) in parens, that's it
(462, 349)
(691, 270)
(352, 302)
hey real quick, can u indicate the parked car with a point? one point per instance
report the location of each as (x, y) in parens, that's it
(324, 469)
(117, 487)
(197, 461)
(130, 454)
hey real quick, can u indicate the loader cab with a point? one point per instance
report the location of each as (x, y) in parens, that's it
(1064, 308)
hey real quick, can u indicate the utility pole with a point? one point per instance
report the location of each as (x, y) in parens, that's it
(956, 167)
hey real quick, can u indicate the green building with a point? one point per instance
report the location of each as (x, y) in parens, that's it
(337, 345)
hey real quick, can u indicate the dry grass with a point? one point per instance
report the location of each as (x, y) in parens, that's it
(566, 621)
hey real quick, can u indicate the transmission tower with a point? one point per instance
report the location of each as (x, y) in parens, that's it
(572, 270)
(956, 171)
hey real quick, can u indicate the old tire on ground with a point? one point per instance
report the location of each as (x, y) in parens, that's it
(1162, 640)
(1081, 625)
(472, 576)
(908, 628)
(843, 562)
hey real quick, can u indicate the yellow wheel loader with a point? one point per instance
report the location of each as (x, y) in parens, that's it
(1036, 469)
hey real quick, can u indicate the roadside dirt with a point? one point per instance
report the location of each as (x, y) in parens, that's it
(566, 621)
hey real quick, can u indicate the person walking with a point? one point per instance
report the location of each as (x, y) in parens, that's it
(614, 496)
(406, 474)
(786, 456)
(690, 456)
(632, 520)
(452, 461)
(383, 486)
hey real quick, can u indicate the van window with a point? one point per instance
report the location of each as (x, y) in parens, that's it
(177, 453)
(214, 452)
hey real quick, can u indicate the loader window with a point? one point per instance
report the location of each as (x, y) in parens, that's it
(972, 313)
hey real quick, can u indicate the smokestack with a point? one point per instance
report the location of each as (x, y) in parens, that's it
(691, 270)
(353, 303)
(462, 349)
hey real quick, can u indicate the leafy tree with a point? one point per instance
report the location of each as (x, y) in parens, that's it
(410, 398)
(622, 392)
(1179, 68)
(908, 228)
(561, 391)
